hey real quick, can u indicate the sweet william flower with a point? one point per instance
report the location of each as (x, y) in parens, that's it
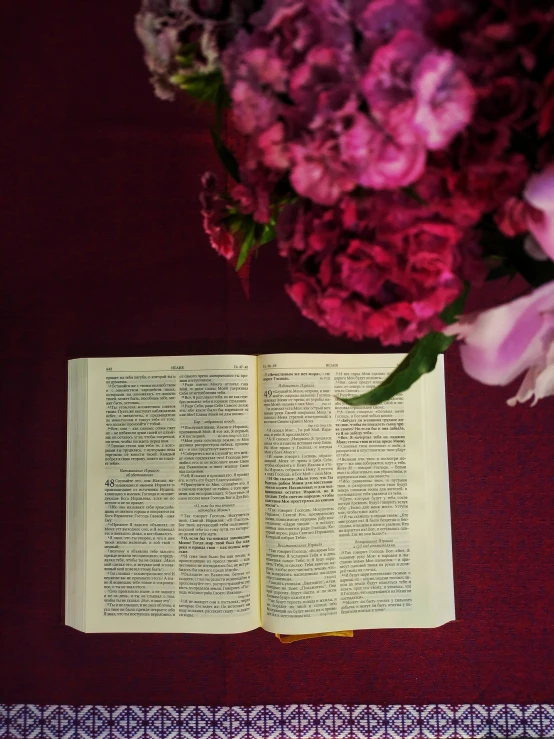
(319, 171)
(353, 278)
(388, 83)
(412, 83)
(165, 26)
(502, 343)
(214, 212)
(445, 99)
(378, 21)
(383, 160)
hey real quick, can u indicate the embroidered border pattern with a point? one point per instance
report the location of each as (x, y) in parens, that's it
(327, 721)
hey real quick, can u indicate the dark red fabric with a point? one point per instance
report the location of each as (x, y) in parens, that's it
(103, 254)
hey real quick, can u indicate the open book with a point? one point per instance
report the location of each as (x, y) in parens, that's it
(218, 494)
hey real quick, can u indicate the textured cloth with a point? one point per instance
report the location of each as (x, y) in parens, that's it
(468, 721)
(103, 254)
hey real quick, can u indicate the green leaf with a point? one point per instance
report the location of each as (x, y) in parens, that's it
(247, 245)
(267, 234)
(412, 193)
(202, 86)
(452, 311)
(421, 358)
(227, 157)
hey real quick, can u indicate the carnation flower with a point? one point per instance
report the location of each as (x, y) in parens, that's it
(253, 194)
(445, 99)
(165, 26)
(411, 83)
(511, 217)
(380, 20)
(485, 178)
(383, 159)
(322, 85)
(290, 80)
(319, 171)
(214, 212)
(388, 83)
(353, 277)
(283, 35)
(272, 146)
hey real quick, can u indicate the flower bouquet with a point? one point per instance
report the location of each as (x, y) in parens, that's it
(398, 152)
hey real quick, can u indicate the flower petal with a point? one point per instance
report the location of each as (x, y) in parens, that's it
(503, 342)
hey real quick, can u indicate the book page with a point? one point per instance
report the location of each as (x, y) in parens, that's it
(172, 505)
(354, 501)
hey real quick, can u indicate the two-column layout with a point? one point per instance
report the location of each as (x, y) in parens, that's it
(227, 492)
(335, 496)
(177, 495)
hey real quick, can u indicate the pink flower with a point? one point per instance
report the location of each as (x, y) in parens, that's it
(388, 83)
(255, 76)
(273, 147)
(445, 99)
(380, 20)
(383, 159)
(486, 178)
(322, 84)
(318, 170)
(214, 211)
(511, 217)
(502, 343)
(354, 278)
(253, 194)
(408, 82)
(539, 193)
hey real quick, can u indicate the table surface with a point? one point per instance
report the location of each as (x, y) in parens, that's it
(103, 254)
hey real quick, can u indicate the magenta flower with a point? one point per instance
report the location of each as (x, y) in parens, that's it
(502, 343)
(383, 160)
(318, 169)
(388, 85)
(354, 275)
(214, 211)
(380, 20)
(253, 194)
(255, 76)
(410, 83)
(322, 85)
(273, 147)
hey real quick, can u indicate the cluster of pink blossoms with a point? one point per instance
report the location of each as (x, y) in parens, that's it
(378, 265)
(389, 137)
(354, 102)
(341, 97)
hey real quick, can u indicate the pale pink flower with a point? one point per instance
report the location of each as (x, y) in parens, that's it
(503, 342)
(445, 99)
(539, 193)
